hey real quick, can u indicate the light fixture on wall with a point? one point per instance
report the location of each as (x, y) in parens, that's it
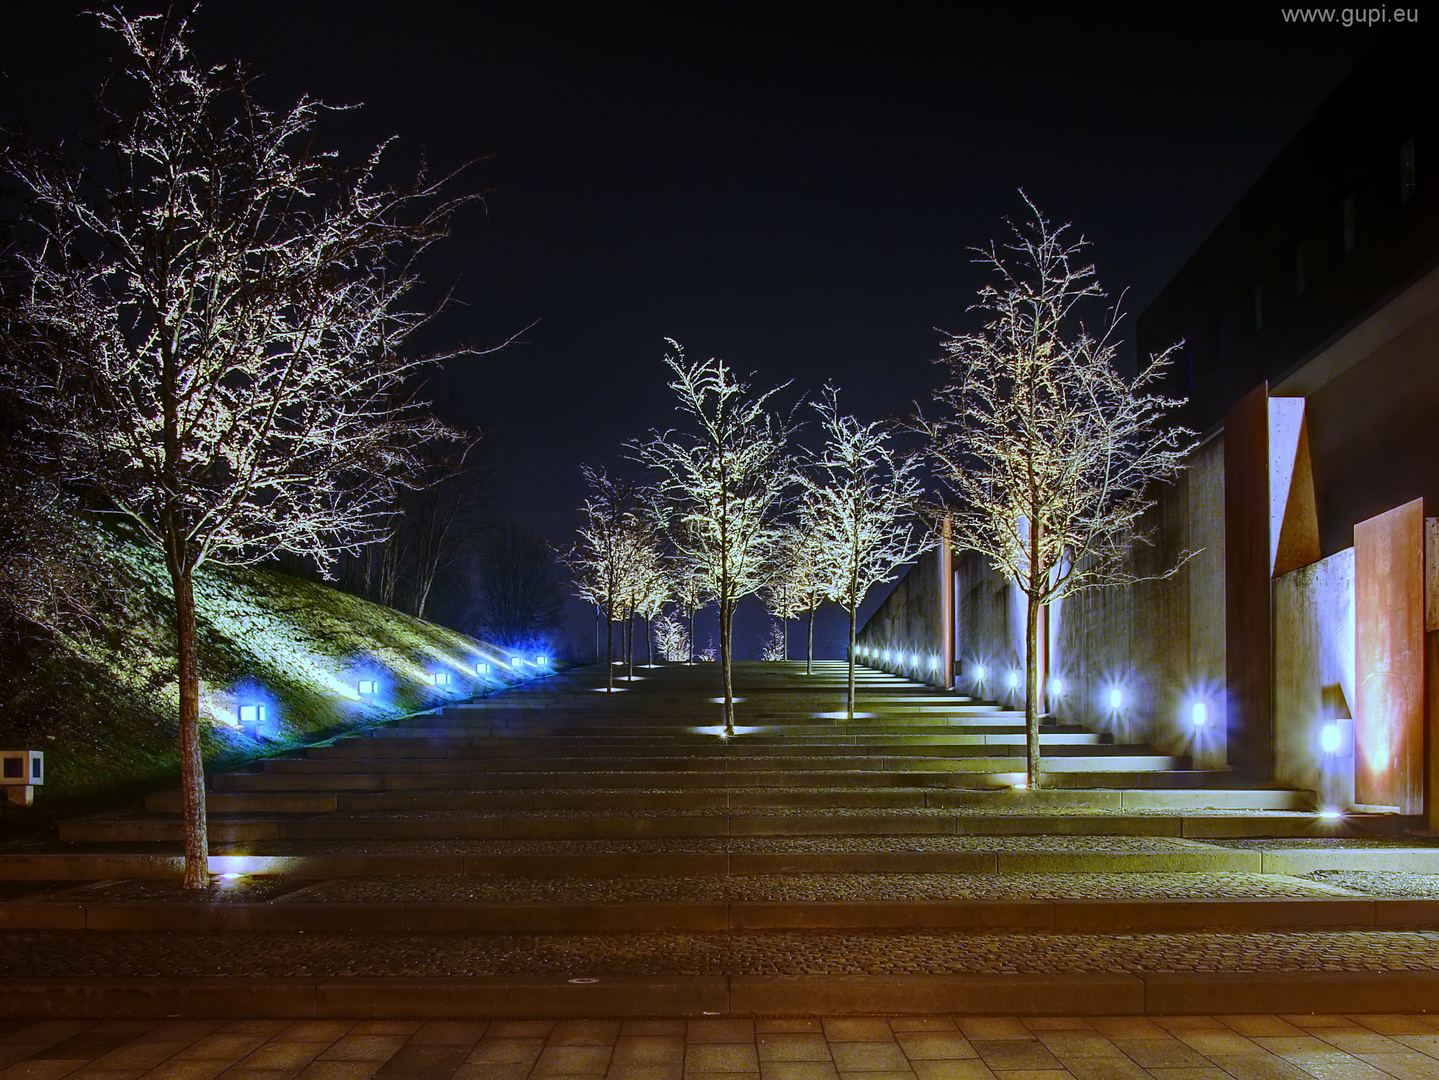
(1013, 680)
(482, 668)
(1056, 687)
(1199, 714)
(1331, 739)
(979, 673)
(367, 687)
(1116, 699)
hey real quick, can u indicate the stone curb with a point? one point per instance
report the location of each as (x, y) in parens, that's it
(1073, 994)
(1065, 916)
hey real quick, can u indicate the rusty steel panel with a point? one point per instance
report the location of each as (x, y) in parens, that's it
(1389, 659)
(1247, 614)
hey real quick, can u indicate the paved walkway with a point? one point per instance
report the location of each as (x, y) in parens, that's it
(1358, 1047)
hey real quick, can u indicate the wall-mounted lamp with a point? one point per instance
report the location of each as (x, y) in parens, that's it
(1013, 680)
(482, 668)
(367, 687)
(1199, 714)
(1116, 699)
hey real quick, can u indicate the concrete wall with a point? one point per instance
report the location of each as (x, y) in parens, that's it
(1160, 643)
(910, 624)
(1314, 675)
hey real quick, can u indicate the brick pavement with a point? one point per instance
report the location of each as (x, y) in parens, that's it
(1247, 1047)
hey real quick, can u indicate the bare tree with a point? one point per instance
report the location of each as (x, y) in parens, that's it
(724, 480)
(438, 516)
(688, 586)
(1049, 453)
(802, 577)
(860, 497)
(598, 561)
(225, 309)
(514, 586)
(783, 592)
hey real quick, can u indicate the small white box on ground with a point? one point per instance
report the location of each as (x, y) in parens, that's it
(21, 772)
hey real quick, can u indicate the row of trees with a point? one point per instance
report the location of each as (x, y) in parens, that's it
(732, 511)
(1047, 454)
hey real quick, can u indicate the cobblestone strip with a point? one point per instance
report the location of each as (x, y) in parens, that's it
(320, 955)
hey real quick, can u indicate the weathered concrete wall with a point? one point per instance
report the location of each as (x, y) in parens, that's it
(1159, 643)
(909, 624)
(1314, 676)
(989, 631)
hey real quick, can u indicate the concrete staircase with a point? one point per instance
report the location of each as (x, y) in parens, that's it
(673, 870)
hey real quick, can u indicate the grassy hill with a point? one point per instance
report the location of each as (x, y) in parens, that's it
(104, 706)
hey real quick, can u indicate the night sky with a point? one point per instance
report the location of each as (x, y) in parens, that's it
(792, 187)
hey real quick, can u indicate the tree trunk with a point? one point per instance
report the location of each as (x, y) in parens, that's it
(597, 632)
(649, 643)
(809, 652)
(192, 764)
(850, 697)
(630, 634)
(726, 624)
(784, 630)
(692, 635)
(610, 647)
(1032, 676)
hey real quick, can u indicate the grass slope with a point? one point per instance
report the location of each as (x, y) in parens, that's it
(104, 707)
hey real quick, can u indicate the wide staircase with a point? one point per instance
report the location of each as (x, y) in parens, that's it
(564, 849)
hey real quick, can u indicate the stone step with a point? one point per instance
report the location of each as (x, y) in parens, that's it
(599, 824)
(683, 857)
(1006, 802)
(572, 758)
(827, 730)
(363, 749)
(985, 773)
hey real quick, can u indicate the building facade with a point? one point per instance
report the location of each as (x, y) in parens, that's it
(1297, 642)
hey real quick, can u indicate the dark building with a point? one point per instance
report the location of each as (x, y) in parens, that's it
(1343, 225)
(1304, 630)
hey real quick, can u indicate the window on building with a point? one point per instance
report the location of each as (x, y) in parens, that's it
(1346, 223)
(1256, 306)
(1300, 281)
(1406, 170)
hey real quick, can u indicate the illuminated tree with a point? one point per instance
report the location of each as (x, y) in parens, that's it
(801, 578)
(777, 647)
(723, 481)
(672, 639)
(688, 587)
(1049, 453)
(860, 496)
(599, 561)
(222, 309)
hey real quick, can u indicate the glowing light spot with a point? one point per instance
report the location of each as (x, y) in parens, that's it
(979, 673)
(1330, 739)
(517, 661)
(542, 661)
(1199, 714)
(887, 656)
(482, 669)
(934, 663)
(1013, 680)
(368, 686)
(230, 877)
(914, 659)
(1056, 687)
(1116, 698)
(1329, 813)
(253, 714)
